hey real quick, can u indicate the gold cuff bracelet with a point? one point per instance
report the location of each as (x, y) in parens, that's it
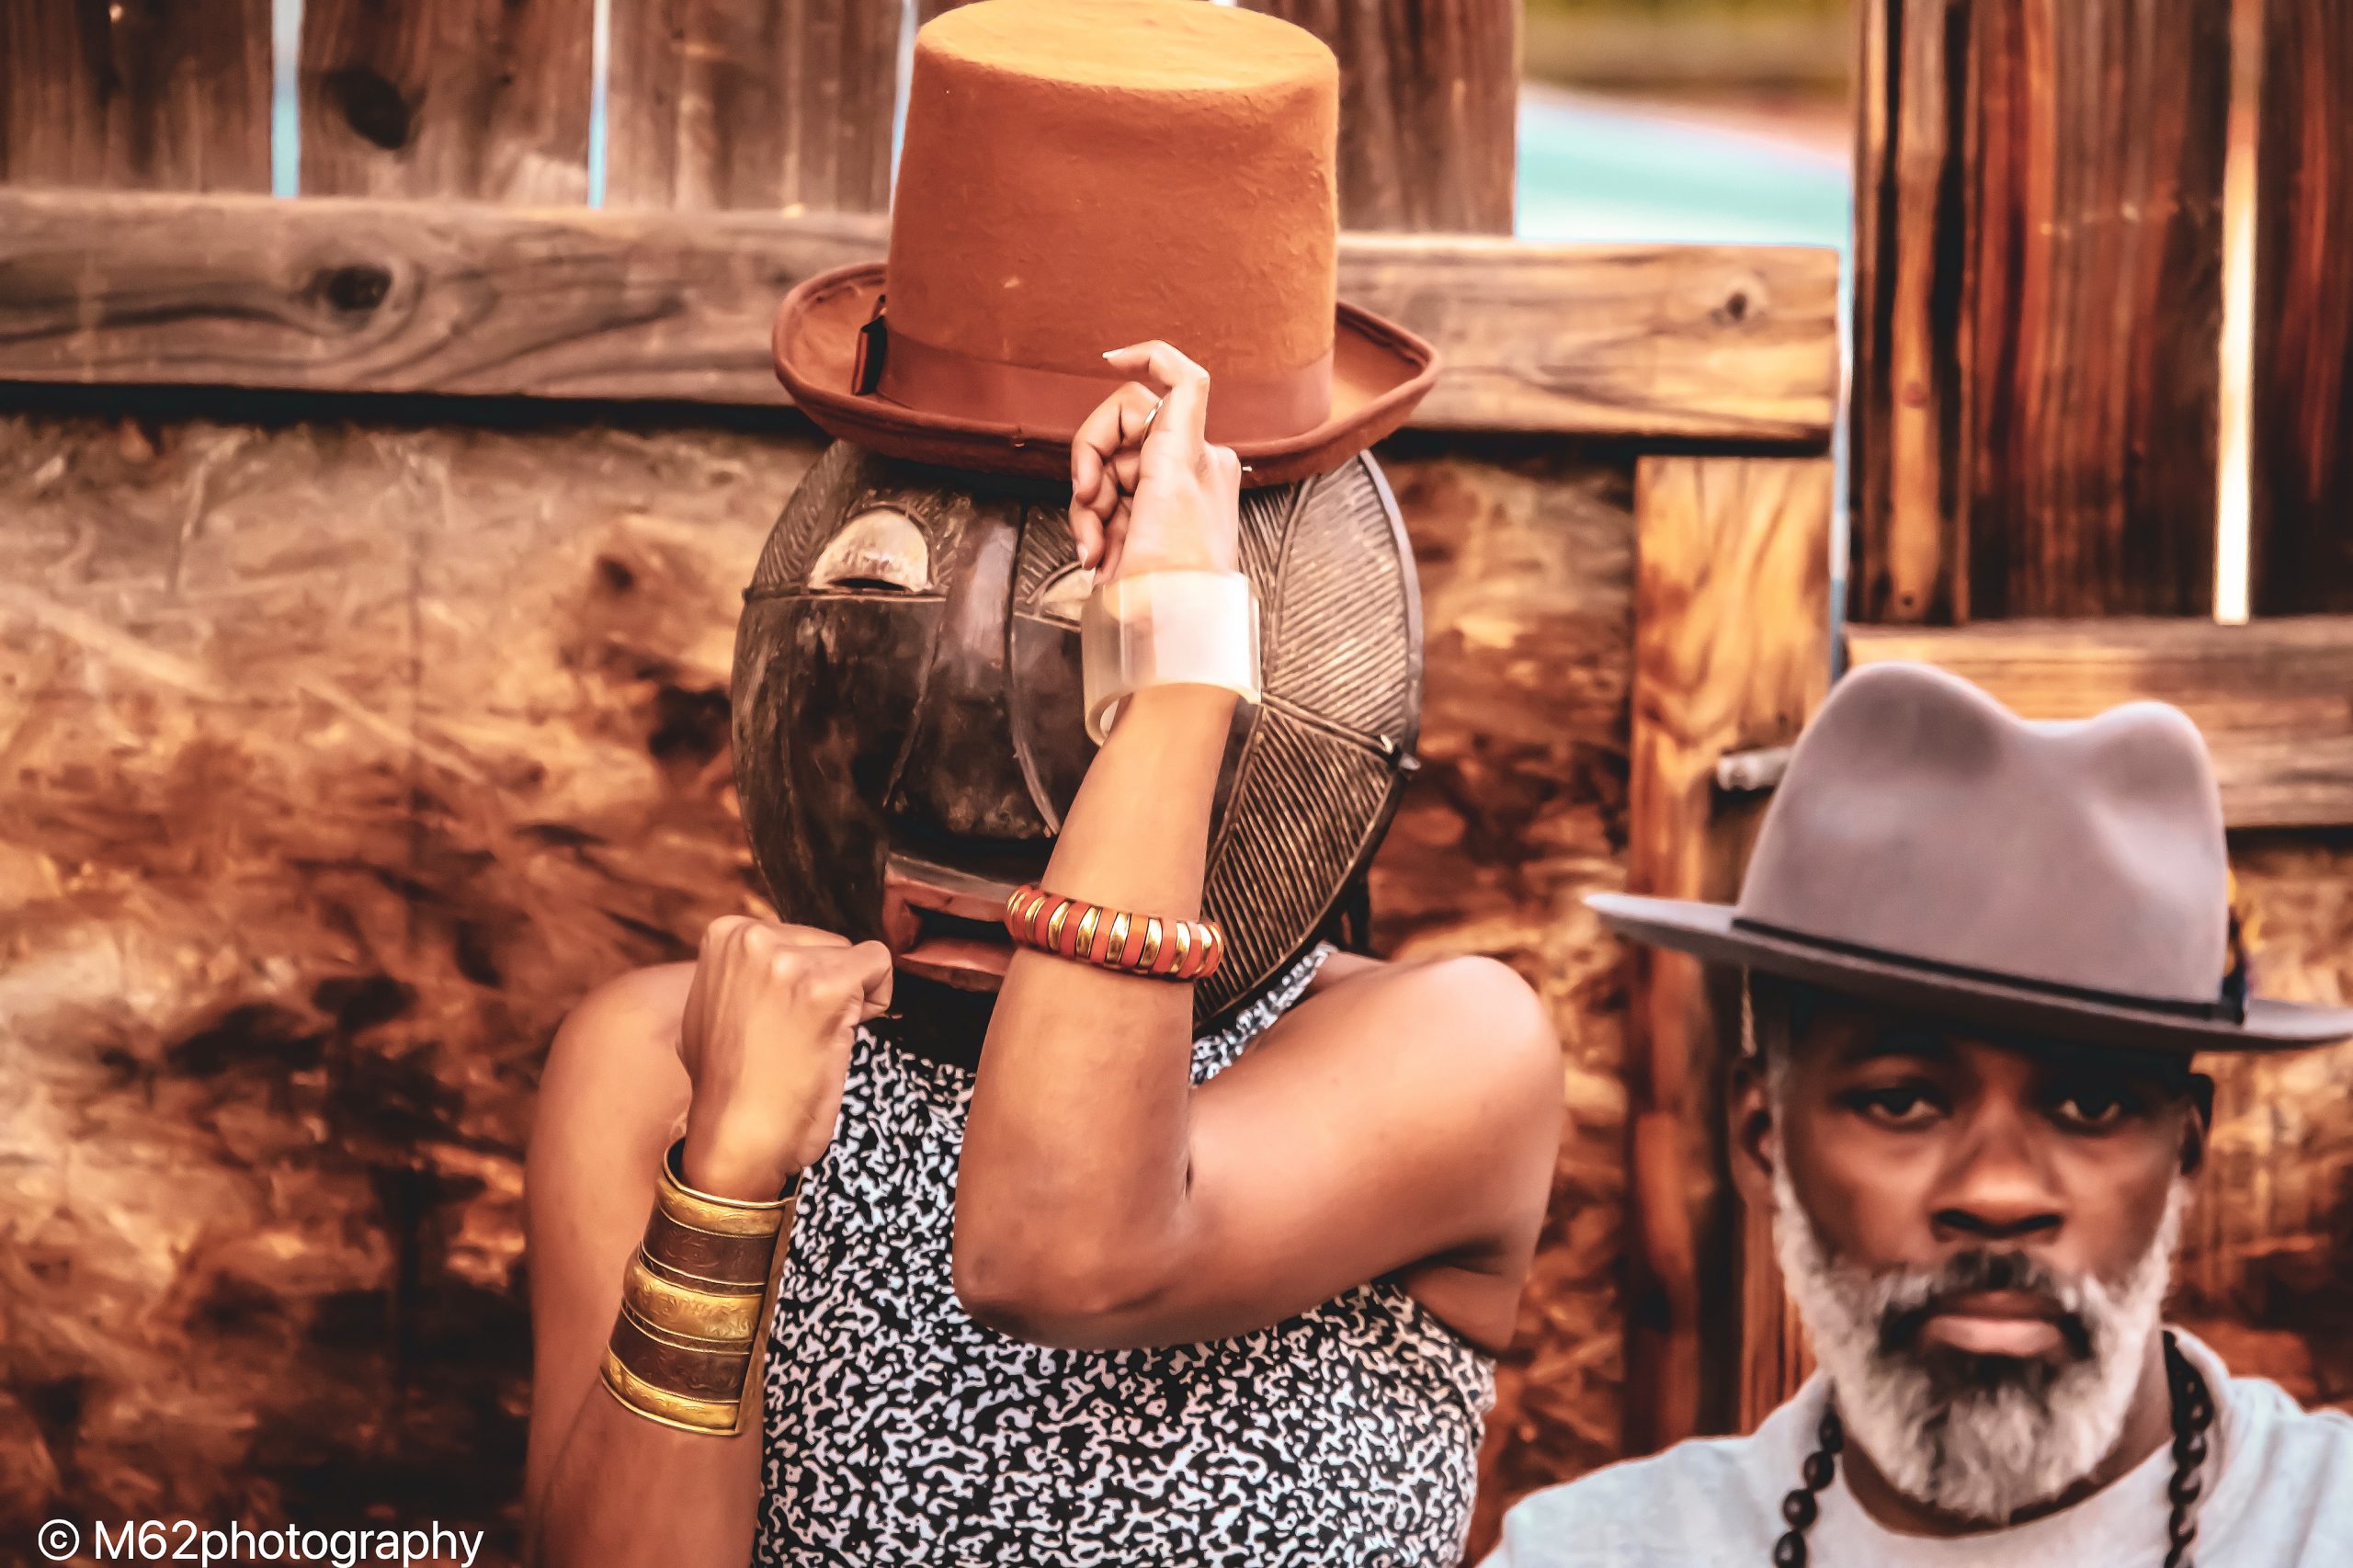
(696, 1302)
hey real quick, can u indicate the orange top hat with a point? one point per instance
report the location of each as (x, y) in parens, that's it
(1081, 174)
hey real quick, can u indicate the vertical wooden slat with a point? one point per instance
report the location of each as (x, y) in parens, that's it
(1909, 528)
(2302, 533)
(1430, 97)
(752, 103)
(1732, 651)
(2042, 290)
(135, 95)
(2097, 310)
(481, 99)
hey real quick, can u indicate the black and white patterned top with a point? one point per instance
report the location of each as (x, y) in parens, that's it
(899, 1431)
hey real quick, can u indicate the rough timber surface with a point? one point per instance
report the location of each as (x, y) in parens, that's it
(337, 759)
(1735, 343)
(2267, 1264)
(2274, 697)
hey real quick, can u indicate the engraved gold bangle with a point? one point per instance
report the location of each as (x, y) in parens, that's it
(695, 1301)
(1115, 939)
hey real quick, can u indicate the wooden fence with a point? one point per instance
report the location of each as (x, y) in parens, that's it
(369, 579)
(2046, 423)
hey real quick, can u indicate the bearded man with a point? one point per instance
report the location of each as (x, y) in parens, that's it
(1978, 954)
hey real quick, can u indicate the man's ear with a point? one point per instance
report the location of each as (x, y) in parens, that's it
(2196, 1126)
(1755, 1145)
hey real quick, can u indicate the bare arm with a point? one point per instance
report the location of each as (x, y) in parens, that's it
(603, 1485)
(748, 1049)
(1405, 1117)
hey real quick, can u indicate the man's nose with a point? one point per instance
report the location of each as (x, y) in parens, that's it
(1998, 1186)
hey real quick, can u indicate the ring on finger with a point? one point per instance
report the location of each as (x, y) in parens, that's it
(1149, 418)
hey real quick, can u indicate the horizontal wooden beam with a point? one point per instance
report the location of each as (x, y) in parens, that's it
(2273, 698)
(1703, 343)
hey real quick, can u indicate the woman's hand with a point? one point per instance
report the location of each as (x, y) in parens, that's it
(766, 1038)
(1149, 493)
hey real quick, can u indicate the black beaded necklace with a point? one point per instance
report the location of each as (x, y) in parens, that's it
(2193, 1413)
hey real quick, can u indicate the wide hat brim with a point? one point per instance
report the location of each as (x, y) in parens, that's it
(1712, 933)
(1380, 372)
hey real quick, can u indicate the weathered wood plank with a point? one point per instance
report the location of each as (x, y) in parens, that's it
(485, 100)
(2273, 698)
(1732, 651)
(1727, 343)
(135, 95)
(752, 103)
(1429, 97)
(2038, 295)
(2301, 534)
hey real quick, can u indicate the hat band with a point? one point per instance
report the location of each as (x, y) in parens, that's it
(2227, 1008)
(950, 382)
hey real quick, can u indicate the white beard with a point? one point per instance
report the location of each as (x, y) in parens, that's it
(1985, 1446)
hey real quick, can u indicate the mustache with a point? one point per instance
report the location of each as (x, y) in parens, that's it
(1912, 1296)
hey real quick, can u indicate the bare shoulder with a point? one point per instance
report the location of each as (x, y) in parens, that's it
(613, 1081)
(1468, 1014)
(1455, 1054)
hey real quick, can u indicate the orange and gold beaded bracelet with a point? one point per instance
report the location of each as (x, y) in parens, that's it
(1114, 939)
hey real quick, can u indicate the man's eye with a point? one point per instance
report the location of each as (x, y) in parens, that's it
(1896, 1105)
(2091, 1109)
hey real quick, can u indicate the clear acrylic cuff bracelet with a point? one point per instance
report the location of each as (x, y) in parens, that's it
(1166, 629)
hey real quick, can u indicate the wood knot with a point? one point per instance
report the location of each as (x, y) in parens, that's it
(1735, 306)
(355, 289)
(372, 107)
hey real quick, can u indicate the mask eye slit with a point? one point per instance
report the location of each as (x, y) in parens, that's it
(878, 551)
(1064, 595)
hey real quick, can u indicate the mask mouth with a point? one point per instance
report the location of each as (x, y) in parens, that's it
(946, 924)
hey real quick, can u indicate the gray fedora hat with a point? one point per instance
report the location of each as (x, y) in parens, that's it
(1928, 848)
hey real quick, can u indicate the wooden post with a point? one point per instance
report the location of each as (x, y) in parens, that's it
(2038, 307)
(2302, 421)
(1732, 653)
(752, 103)
(1430, 97)
(135, 95)
(481, 99)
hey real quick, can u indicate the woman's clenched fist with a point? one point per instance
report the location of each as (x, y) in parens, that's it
(766, 1038)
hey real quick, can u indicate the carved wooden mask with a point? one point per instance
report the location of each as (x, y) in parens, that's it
(907, 721)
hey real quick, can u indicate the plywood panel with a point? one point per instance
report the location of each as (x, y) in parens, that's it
(485, 100)
(777, 105)
(338, 761)
(135, 95)
(1527, 571)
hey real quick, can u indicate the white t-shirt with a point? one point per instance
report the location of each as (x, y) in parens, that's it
(2278, 1493)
